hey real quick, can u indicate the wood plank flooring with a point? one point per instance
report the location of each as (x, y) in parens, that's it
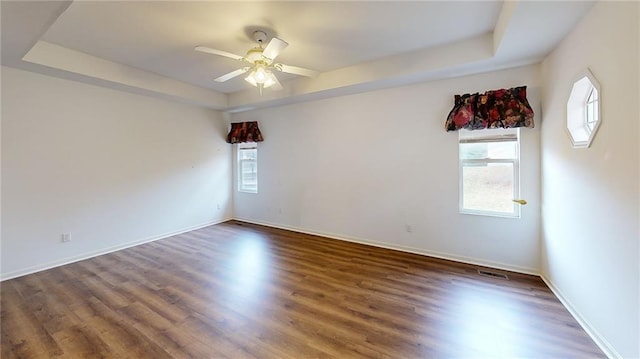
(237, 290)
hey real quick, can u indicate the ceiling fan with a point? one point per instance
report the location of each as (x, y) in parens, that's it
(260, 63)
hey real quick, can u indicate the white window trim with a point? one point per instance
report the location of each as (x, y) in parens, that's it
(240, 147)
(516, 179)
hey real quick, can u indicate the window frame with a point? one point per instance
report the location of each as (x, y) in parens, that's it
(516, 213)
(591, 111)
(241, 183)
(584, 113)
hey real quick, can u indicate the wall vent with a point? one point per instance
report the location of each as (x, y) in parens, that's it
(487, 273)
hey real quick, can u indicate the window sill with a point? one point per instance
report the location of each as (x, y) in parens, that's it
(491, 214)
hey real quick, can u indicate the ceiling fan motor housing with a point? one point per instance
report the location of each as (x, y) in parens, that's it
(255, 54)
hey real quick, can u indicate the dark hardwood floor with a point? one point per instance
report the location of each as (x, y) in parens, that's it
(244, 291)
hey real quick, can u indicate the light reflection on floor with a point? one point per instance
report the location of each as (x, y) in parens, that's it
(249, 264)
(485, 323)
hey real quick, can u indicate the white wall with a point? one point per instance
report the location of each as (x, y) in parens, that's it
(363, 166)
(111, 168)
(590, 232)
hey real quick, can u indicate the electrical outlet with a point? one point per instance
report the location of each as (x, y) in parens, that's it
(408, 228)
(66, 237)
(219, 207)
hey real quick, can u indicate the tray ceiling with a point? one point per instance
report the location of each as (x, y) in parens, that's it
(147, 46)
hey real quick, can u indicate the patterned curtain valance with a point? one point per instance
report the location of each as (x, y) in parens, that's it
(244, 132)
(499, 108)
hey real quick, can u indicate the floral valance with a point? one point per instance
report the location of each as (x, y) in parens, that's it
(499, 108)
(244, 132)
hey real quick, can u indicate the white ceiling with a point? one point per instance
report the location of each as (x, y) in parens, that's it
(147, 46)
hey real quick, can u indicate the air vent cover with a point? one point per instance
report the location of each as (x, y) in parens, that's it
(487, 273)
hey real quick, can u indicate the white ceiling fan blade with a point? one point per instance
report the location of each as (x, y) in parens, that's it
(273, 48)
(231, 74)
(209, 50)
(297, 70)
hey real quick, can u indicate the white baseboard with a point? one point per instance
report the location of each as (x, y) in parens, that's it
(441, 255)
(80, 257)
(600, 341)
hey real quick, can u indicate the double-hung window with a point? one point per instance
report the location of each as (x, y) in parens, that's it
(248, 167)
(489, 172)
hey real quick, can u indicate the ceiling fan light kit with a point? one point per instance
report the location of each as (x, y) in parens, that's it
(261, 62)
(261, 78)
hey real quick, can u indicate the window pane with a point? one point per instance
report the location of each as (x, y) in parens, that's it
(589, 116)
(249, 173)
(488, 187)
(248, 153)
(248, 170)
(474, 151)
(488, 150)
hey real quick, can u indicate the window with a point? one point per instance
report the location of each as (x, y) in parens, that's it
(248, 167)
(489, 172)
(583, 110)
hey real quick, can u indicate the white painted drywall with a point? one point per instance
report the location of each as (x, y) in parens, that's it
(590, 231)
(363, 167)
(108, 167)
